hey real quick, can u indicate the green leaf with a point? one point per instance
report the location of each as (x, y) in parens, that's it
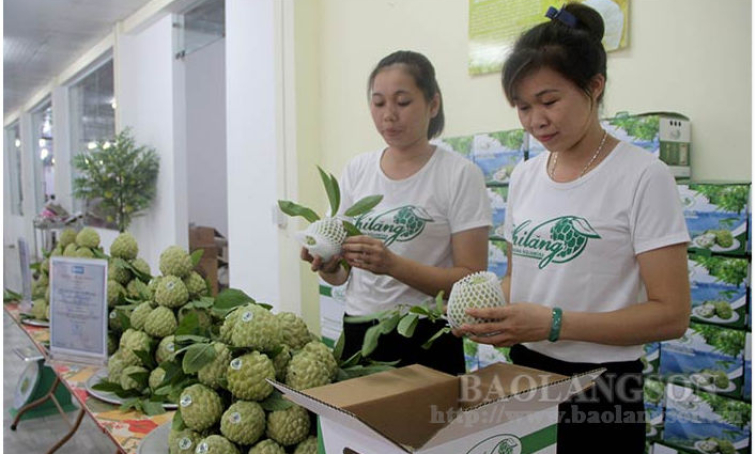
(192, 338)
(363, 205)
(420, 310)
(10, 295)
(440, 302)
(332, 191)
(388, 325)
(438, 334)
(147, 359)
(292, 209)
(408, 324)
(370, 343)
(350, 228)
(197, 256)
(107, 386)
(352, 361)
(231, 298)
(152, 408)
(124, 319)
(198, 356)
(276, 401)
(178, 422)
(366, 318)
(338, 348)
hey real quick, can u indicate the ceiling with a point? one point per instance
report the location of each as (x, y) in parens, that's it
(41, 38)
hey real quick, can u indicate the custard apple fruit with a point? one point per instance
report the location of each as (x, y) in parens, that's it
(124, 246)
(267, 446)
(118, 273)
(67, 236)
(247, 375)
(183, 441)
(70, 250)
(115, 367)
(306, 370)
(165, 349)
(216, 444)
(479, 290)
(115, 292)
(324, 354)
(160, 323)
(212, 373)
(256, 328)
(156, 378)
(153, 284)
(39, 309)
(85, 253)
(175, 261)
(288, 427)
(227, 328)
(127, 382)
(131, 341)
(140, 315)
(142, 266)
(171, 292)
(88, 237)
(137, 289)
(200, 407)
(243, 422)
(195, 284)
(293, 330)
(281, 362)
(323, 237)
(308, 446)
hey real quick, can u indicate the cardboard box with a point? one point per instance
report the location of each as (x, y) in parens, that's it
(414, 409)
(651, 358)
(332, 303)
(461, 144)
(498, 153)
(471, 355)
(718, 290)
(747, 369)
(664, 134)
(702, 422)
(488, 354)
(706, 357)
(716, 215)
(214, 245)
(497, 257)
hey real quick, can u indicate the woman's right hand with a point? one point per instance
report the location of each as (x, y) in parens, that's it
(317, 263)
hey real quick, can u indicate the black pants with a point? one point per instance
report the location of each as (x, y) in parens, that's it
(611, 410)
(446, 354)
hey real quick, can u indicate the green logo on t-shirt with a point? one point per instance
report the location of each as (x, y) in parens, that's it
(558, 240)
(398, 224)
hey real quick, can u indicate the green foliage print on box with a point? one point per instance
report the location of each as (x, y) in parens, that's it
(512, 139)
(729, 342)
(461, 144)
(733, 198)
(642, 127)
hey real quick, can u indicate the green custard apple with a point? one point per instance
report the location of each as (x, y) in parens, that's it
(247, 375)
(127, 382)
(256, 328)
(200, 407)
(723, 310)
(165, 349)
(137, 289)
(140, 315)
(243, 422)
(131, 341)
(124, 246)
(183, 441)
(288, 427)
(156, 378)
(294, 330)
(67, 236)
(267, 446)
(216, 444)
(85, 253)
(115, 367)
(142, 266)
(88, 237)
(195, 284)
(115, 293)
(306, 370)
(281, 362)
(39, 309)
(171, 292)
(70, 250)
(118, 273)
(211, 374)
(175, 261)
(160, 323)
(308, 446)
(324, 354)
(227, 328)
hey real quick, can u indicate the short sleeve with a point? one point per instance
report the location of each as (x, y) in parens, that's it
(470, 207)
(657, 217)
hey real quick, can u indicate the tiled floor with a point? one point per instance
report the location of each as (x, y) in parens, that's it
(38, 435)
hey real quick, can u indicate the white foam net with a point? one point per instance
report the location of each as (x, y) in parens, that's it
(481, 290)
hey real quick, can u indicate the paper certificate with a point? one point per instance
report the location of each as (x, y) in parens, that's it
(78, 309)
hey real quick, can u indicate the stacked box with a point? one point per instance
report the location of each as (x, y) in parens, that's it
(665, 135)
(703, 422)
(498, 153)
(488, 354)
(747, 369)
(716, 216)
(651, 357)
(332, 303)
(497, 257)
(653, 400)
(498, 198)
(461, 144)
(706, 357)
(718, 290)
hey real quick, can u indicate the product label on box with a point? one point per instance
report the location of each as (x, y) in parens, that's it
(716, 217)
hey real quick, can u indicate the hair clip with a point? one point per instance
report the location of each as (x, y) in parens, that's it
(562, 16)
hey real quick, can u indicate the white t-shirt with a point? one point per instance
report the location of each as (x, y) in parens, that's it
(574, 244)
(416, 219)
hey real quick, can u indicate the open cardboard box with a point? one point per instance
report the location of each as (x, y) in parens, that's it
(502, 408)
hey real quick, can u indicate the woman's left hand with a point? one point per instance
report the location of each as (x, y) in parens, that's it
(368, 253)
(514, 323)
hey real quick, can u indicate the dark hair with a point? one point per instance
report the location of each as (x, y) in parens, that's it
(575, 52)
(422, 71)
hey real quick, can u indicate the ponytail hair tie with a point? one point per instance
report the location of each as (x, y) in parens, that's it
(562, 16)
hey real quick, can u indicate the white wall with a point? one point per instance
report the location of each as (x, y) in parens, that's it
(150, 95)
(205, 72)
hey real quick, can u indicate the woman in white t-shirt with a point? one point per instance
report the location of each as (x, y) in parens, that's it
(431, 227)
(596, 239)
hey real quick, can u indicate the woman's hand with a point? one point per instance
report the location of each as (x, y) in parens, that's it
(317, 263)
(368, 253)
(512, 324)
